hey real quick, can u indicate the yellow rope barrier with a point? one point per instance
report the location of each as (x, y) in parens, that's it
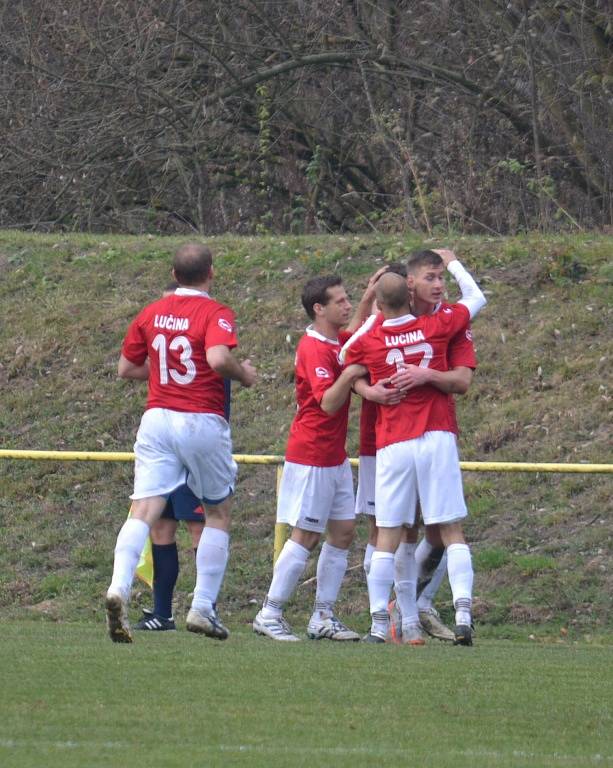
(244, 458)
(281, 529)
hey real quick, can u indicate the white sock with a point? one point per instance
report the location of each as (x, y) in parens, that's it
(405, 582)
(427, 596)
(460, 569)
(380, 580)
(130, 542)
(331, 568)
(288, 569)
(370, 548)
(211, 561)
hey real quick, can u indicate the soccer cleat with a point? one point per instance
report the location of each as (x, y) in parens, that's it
(395, 631)
(373, 637)
(276, 628)
(462, 634)
(207, 624)
(431, 622)
(117, 618)
(154, 623)
(330, 628)
(412, 634)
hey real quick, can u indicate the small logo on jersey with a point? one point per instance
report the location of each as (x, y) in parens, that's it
(447, 310)
(311, 519)
(322, 373)
(224, 324)
(469, 334)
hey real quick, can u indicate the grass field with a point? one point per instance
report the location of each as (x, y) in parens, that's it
(72, 698)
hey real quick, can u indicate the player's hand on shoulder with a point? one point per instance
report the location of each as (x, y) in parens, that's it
(250, 373)
(446, 255)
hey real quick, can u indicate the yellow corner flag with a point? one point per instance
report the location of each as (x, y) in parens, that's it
(144, 569)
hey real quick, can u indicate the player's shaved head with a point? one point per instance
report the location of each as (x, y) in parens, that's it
(392, 292)
(192, 264)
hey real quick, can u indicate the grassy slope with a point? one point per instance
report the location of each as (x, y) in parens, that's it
(542, 543)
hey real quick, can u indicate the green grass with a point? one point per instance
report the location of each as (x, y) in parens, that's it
(541, 543)
(72, 698)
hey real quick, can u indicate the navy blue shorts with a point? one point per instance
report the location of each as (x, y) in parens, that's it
(183, 505)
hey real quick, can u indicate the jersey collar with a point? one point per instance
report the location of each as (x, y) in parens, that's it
(184, 291)
(310, 331)
(394, 321)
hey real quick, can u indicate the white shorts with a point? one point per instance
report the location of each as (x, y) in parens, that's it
(173, 447)
(365, 495)
(425, 469)
(310, 496)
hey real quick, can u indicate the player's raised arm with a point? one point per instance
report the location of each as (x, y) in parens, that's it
(472, 296)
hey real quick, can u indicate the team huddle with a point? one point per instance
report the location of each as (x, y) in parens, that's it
(405, 353)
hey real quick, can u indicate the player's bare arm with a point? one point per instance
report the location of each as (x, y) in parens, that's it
(336, 395)
(129, 370)
(384, 392)
(366, 305)
(223, 362)
(453, 382)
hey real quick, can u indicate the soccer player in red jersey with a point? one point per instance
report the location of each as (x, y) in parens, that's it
(182, 344)
(416, 450)
(316, 489)
(426, 560)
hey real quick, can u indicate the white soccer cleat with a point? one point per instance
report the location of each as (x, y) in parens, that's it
(117, 618)
(276, 628)
(412, 634)
(208, 624)
(330, 628)
(431, 622)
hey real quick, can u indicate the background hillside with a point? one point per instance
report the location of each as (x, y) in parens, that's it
(542, 543)
(306, 117)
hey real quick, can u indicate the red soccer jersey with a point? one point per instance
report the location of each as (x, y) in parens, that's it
(174, 333)
(315, 437)
(420, 341)
(460, 352)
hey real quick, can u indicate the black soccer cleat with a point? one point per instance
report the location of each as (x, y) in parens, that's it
(152, 622)
(462, 634)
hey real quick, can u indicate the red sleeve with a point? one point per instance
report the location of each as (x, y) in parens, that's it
(354, 353)
(320, 369)
(221, 329)
(461, 351)
(134, 347)
(458, 317)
